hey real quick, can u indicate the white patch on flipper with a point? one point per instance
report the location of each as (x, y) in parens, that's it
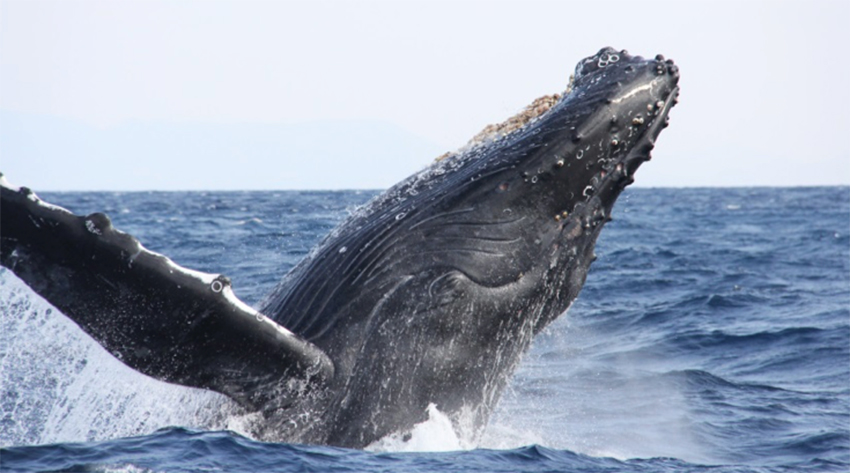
(226, 291)
(32, 196)
(7, 184)
(206, 278)
(232, 299)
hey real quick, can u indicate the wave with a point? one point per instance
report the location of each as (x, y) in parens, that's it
(181, 450)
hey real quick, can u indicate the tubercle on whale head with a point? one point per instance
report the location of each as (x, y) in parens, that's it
(586, 145)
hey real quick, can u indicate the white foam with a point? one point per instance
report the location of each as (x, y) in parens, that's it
(122, 469)
(437, 434)
(59, 385)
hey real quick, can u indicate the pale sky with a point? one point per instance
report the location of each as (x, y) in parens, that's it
(129, 95)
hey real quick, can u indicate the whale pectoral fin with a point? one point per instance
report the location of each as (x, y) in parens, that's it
(166, 321)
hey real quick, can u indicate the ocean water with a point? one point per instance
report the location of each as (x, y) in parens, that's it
(713, 334)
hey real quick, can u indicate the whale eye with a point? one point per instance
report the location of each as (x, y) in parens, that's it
(503, 187)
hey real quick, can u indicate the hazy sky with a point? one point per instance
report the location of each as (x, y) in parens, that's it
(764, 88)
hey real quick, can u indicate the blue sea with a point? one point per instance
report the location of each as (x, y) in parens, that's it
(713, 335)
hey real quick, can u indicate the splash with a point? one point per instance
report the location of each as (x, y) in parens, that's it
(59, 385)
(582, 389)
(437, 434)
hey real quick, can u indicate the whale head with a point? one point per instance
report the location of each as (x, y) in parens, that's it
(438, 285)
(528, 204)
(564, 171)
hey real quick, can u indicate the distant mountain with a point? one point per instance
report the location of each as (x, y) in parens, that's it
(52, 153)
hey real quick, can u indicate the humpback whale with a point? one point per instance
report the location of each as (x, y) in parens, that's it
(426, 296)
